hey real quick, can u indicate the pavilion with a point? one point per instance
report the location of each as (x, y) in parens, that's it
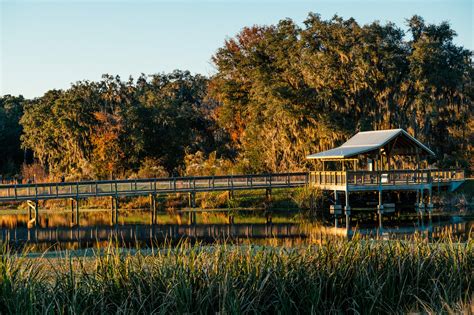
(378, 161)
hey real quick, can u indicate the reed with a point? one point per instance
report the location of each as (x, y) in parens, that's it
(358, 276)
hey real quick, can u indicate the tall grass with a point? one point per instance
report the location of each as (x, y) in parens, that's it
(359, 276)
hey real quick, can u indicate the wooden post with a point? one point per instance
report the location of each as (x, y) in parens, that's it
(268, 197)
(430, 204)
(154, 218)
(36, 212)
(192, 203)
(348, 211)
(72, 211)
(30, 214)
(116, 210)
(77, 212)
(112, 211)
(268, 217)
(380, 205)
(421, 206)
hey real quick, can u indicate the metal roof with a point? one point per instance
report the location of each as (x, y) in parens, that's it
(366, 141)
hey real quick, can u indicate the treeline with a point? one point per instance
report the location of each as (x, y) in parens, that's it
(113, 128)
(280, 92)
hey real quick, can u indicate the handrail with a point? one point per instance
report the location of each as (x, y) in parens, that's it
(130, 187)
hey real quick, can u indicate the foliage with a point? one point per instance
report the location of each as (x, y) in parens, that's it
(11, 109)
(151, 168)
(361, 276)
(287, 91)
(198, 165)
(111, 126)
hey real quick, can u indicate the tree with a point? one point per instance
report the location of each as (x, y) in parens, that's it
(11, 109)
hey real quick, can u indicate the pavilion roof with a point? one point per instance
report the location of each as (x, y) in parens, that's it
(371, 141)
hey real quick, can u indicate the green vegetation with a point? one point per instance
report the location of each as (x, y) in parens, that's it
(280, 92)
(360, 276)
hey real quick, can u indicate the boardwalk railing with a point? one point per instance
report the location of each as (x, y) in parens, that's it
(136, 187)
(392, 177)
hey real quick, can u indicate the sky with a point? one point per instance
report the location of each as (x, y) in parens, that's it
(51, 44)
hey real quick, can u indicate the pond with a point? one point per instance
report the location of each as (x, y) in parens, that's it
(134, 227)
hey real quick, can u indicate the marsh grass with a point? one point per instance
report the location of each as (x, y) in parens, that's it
(359, 276)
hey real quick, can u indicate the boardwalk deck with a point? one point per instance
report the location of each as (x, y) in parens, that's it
(143, 187)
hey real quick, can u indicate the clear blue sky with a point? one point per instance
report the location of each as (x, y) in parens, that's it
(50, 44)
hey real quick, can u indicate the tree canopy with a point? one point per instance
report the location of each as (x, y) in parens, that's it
(108, 128)
(286, 91)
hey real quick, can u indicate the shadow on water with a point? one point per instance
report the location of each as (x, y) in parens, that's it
(135, 230)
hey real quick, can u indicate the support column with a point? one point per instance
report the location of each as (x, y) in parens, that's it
(268, 195)
(30, 214)
(430, 203)
(421, 204)
(268, 218)
(336, 208)
(116, 210)
(268, 204)
(154, 218)
(380, 208)
(72, 212)
(112, 210)
(417, 201)
(348, 212)
(192, 204)
(77, 212)
(33, 206)
(36, 212)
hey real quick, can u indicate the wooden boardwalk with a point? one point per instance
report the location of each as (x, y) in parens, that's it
(144, 187)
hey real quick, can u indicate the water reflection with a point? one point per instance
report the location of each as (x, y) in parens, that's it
(134, 228)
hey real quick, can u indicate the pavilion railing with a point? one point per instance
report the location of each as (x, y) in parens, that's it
(391, 177)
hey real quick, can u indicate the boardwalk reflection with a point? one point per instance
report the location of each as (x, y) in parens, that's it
(132, 233)
(141, 232)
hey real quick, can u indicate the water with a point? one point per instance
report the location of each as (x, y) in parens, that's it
(134, 228)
